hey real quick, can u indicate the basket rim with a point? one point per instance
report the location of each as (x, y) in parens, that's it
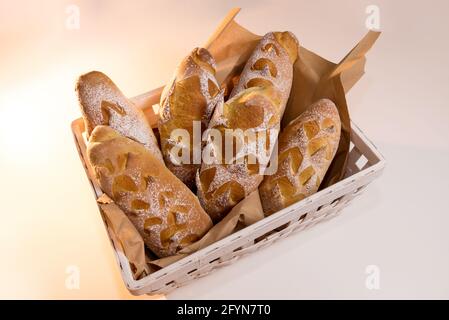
(320, 195)
(134, 285)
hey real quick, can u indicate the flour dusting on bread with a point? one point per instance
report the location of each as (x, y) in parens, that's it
(102, 103)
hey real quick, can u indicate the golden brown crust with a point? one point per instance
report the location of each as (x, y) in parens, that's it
(306, 149)
(165, 212)
(190, 96)
(222, 185)
(102, 103)
(256, 104)
(271, 63)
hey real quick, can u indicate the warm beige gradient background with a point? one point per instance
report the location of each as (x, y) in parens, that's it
(49, 219)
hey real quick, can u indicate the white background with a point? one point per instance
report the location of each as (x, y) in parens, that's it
(49, 219)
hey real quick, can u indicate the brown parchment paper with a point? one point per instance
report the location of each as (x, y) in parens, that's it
(244, 213)
(125, 236)
(314, 78)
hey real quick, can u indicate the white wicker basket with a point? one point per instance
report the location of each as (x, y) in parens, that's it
(365, 163)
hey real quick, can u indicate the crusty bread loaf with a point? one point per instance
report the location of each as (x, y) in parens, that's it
(307, 146)
(271, 64)
(102, 103)
(256, 104)
(165, 212)
(190, 96)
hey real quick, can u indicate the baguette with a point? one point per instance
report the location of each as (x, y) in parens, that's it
(190, 96)
(102, 103)
(306, 149)
(256, 105)
(165, 212)
(270, 64)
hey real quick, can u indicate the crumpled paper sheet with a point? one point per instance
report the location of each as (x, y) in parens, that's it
(124, 235)
(314, 78)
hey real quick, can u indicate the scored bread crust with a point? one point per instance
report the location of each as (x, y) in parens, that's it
(271, 63)
(190, 96)
(102, 103)
(307, 146)
(256, 104)
(164, 211)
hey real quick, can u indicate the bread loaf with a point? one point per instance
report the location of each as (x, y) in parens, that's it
(307, 146)
(165, 212)
(102, 103)
(190, 96)
(271, 64)
(256, 105)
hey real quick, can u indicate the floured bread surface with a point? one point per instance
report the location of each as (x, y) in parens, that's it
(271, 64)
(256, 112)
(102, 103)
(256, 105)
(307, 147)
(190, 96)
(165, 212)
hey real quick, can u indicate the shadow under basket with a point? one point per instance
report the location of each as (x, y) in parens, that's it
(365, 163)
